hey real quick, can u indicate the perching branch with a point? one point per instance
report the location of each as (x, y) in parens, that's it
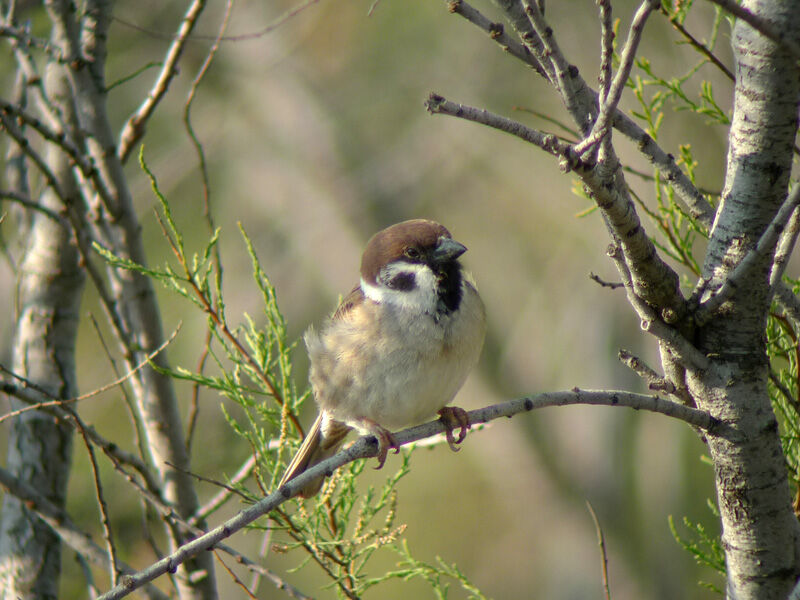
(367, 446)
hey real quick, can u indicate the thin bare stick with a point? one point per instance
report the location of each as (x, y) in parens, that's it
(606, 49)
(687, 192)
(224, 494)
(496, 31)
(113, 561)
(699, 46)
(761, 25)
(601, 541)
(603, 283)
(100, 390)
(134, 128)
(235, 577)
(608, 108)
(367, 446)
(207, 214)
(26, 202)
(785, 247)
(653, 280)
(59, 521)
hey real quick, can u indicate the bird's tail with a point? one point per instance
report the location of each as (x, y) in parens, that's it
(322, 441)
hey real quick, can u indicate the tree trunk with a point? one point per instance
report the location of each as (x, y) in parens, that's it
(39, 448)
(760, 534)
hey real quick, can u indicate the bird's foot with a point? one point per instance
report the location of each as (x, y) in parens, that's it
(452, 417)
(385, 439)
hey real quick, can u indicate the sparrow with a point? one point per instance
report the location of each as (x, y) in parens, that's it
(398, 347)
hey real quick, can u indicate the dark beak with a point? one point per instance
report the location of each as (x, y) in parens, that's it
(447, 249)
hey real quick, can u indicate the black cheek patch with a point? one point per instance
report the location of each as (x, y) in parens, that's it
(403, 282)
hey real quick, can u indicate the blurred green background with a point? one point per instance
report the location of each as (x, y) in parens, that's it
(316, 137)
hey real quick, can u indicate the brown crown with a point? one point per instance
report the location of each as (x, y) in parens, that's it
(389, 244)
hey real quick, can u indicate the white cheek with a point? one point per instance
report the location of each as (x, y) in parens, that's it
(422, 298)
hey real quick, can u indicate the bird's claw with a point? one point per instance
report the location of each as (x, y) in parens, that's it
(452, 417)
(385, 439)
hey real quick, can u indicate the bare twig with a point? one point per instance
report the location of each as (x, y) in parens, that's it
(785, 247)
(766, 245)
(496, 31)
(643, 370)
(113, 566)
(609, 284)
(761, 25)
(608, 107)
(653, 280)
(135, 126)
(25, 201)
(532, 54)
(699, 46)
(684, 351)
(224, 494)
(207, 214)
(606, 49)
(601, 541)
(58, 520)
(367, 446)
(100, 390)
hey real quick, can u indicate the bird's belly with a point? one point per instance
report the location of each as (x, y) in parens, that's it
(395, 381)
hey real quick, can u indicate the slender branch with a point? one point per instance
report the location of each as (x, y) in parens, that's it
(32, 394)
(684, 351)
(226, 493)
(785, 247)
(761, 25)
(601, 541)
(563, 71)
(134, 128)
(608, 108)
(496, 31)
(113, 560)
(25, 201)
(532, 55)
(699, 46)
(766, 245)
(606, 48)
(603, 283)
(653, 280)
(654, 381)
(65, 401)
(61, 524)
(548, 142)
(367, 446)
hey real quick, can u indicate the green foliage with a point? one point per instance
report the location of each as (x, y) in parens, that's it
(704, 547)
(784, 353)
(340, 531)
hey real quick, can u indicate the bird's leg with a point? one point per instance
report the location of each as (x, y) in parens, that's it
(385, 439)
(452, 417)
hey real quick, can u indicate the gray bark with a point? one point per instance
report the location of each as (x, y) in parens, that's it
(51, 283)
(760, 532)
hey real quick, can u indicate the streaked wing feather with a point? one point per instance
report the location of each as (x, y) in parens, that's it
(353, 299)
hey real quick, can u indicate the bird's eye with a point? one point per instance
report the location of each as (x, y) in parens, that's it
(411, 253)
